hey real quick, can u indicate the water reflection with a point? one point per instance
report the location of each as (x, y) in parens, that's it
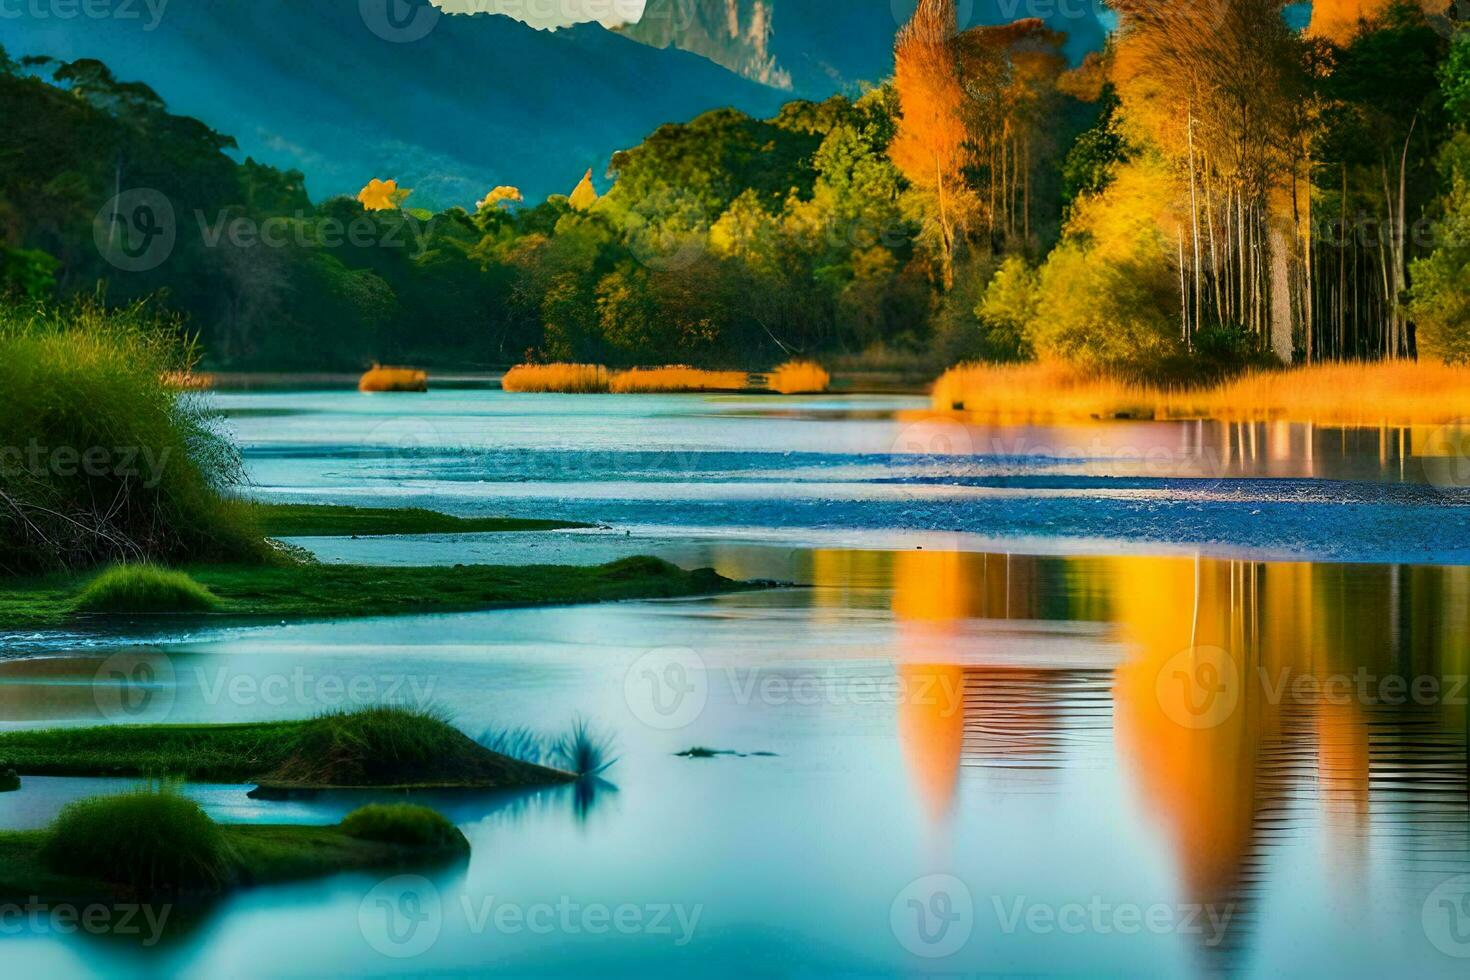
(1255, 704)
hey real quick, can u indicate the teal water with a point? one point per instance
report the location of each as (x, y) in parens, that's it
(960, 751)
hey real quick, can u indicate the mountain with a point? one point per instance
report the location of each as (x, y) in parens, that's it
(348, 90)
(816, 47)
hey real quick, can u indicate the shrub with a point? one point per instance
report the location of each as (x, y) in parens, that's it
(799, 378)
(100, 458)
(382, 379)
(144, 589)
(401, 823)
(9, 780)
(675, 379)
(150, 840)
(578, 379)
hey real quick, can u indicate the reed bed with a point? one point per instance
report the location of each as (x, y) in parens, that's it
(676, 379)
(795, 378)
(394, 379)
(576, 379)
(799, 378)
(1394, 392)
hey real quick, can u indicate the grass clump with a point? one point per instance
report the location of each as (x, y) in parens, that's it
(799, 378)
(401, 823)
(384, 379)
(676, 379)
(144, 589)
(393, 746)
(578, 379)
(1371, 394)
(328, 520)
(9, 780)
(150, 840)
(100, 458)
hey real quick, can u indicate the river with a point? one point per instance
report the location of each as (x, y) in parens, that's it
(1170, 698)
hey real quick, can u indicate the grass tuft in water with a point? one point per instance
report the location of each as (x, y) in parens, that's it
(145, 589)
(582, 751)
(401, 823)
(152, 840)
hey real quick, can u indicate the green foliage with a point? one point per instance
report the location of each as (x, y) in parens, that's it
(150, 840)
(1440, 297)
(1010, 305)
(100, 459)
(401, 823)
(144, 589)
(27, 274)
(1088, 166)
(1105, 315)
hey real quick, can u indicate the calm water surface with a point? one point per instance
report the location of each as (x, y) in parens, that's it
(1120, 742)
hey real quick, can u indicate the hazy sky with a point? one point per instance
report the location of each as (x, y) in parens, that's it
(553, 13)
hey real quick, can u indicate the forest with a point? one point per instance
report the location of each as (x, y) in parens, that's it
(1216, 189)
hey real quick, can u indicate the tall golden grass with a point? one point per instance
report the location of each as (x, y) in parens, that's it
(799, 378)
(577, 379)
(673, 379)
(1391, 392)
(393, 379)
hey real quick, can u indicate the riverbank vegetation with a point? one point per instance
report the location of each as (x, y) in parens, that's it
(791, 378)
(154, 843)
(384, 747)
(331, 520)
(1348, 394)
(298, 590)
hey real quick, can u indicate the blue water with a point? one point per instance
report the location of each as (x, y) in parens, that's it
(958, 750)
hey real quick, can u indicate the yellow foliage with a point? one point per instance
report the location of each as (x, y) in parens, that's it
(584, 195)
(1384, 393)
(580, 379)
(393, 379)
(799, 378)
(382, 195)
(668, 379)
(504, 194)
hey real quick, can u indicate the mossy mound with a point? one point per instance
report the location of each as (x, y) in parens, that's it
(144, 590)
(150, 841)
(402, 823)
(394, 746)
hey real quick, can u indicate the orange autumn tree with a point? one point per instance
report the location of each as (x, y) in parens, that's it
(931, 146)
